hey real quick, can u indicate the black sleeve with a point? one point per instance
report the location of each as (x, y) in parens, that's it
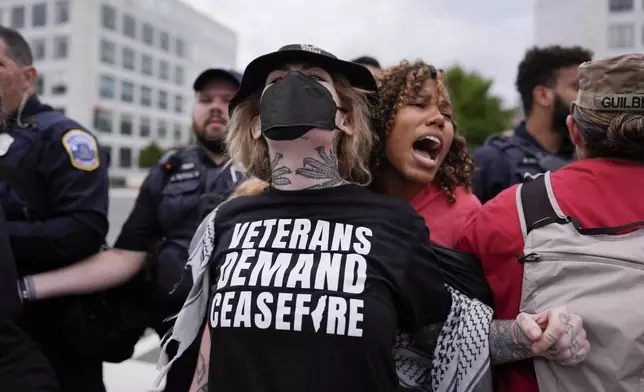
(142, 229)
(491, 173)
(426, 298)
(78, 196)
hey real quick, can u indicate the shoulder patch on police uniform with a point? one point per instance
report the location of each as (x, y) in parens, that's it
(82, 149)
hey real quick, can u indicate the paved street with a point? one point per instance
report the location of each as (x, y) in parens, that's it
(139, 373)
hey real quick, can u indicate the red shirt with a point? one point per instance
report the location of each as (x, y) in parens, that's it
(600, 193)
(444, 220)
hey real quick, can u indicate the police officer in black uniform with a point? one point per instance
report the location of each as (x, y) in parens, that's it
(173, 200)
(54, 191)
(23, 367)
(547, 81)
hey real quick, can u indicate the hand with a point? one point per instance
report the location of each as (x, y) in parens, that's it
(556, 334)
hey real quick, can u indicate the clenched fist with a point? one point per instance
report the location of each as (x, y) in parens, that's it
(555, 334)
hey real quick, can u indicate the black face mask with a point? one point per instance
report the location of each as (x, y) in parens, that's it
(295, 105)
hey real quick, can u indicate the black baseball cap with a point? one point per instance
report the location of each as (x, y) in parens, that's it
(258, 69)
(216, 73)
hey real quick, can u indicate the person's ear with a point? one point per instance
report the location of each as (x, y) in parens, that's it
(256, 128)
(345, 126)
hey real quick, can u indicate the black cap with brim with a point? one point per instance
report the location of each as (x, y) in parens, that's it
(258, 70)
(216, 73)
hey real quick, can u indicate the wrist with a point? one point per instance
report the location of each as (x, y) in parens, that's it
(27, 288)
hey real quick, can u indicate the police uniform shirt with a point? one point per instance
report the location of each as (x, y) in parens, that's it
(72, 174)
(22, 366)
(180, 191)
(501, 164)
(309, 288)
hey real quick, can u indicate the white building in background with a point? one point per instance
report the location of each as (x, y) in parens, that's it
(607, 27)
(123, 68)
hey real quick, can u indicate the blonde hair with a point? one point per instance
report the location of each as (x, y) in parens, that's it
(353, 151)
(611, 134)
(250, 187)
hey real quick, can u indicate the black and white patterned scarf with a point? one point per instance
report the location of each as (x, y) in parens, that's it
(461, 361)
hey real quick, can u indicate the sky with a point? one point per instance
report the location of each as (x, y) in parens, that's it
(487, 36)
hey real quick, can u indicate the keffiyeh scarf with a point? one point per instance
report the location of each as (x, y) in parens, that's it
(461, 361)
(188, 321)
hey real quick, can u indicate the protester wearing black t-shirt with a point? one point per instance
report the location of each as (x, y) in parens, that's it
(310, 280)
(23, 368)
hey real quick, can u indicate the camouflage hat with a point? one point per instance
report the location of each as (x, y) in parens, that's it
(612, 84)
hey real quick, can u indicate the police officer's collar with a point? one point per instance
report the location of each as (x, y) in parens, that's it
(521, 131)
(32, 107)
(203, 155)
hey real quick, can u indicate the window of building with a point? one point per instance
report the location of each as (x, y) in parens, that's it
(126, 124)
(59, 83)
(125, 157)
(61, 47)
(163, 99)
(108, 52)
(129, 58)
(164, 70)
(148, 34)
(18, 17)
(39, 15)
(620, 5)
(61, 12)
(146, 96)
(108, 17)
(177, 132)
(129, 26)
(103, 120)
(164, 41)
(146, 65)
(107, 87)
(163, 129)
(39, 49)
(621, 36)
(39, 86)
(144, 128)
(180, 49)
(178, 75)
(178, 104)
(127, 91)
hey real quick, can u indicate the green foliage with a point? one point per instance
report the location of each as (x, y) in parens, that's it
(150, 155)
(477, 112)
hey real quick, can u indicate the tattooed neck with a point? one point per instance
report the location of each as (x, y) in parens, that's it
(315, 170)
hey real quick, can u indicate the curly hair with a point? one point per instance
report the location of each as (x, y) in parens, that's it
(540, 67)
(399, 83)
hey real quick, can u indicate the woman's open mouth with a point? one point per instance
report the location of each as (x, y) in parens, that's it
(426, 150)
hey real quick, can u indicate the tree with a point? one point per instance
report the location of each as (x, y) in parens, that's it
(477, 112)
(150, 155)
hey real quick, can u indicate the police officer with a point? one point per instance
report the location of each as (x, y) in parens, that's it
(547, 81)
(23, 367)
(54, 191)
(173, 200)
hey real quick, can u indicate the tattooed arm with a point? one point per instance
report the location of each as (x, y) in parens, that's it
(508, 343)
(200, 379)
(555, 334)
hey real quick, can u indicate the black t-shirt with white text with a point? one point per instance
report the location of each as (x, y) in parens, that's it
(310, 287)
